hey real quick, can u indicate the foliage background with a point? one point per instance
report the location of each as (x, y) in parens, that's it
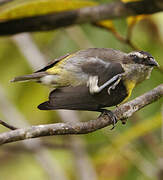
(133, 151)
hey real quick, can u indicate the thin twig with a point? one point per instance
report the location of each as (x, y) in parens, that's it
(7, 125)
(118, 36)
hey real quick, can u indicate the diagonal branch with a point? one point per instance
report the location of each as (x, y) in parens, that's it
(122, 112)
(7, 125)
(79, 16)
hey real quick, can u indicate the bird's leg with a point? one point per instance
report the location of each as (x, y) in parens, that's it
(110, 114)
(119, 77)
(93, 83)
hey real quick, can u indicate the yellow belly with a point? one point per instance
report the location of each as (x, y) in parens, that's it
(129, 86)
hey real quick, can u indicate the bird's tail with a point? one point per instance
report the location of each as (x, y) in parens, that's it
(34, 77)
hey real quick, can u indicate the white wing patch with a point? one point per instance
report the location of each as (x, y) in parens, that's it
(92, 83)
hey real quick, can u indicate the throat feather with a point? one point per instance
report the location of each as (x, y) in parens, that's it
(129, 87)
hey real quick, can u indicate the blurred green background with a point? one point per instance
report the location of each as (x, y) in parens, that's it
(133, 151)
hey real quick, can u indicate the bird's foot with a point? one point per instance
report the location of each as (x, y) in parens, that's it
(111, 115)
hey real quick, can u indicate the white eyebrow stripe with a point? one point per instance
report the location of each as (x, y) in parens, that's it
(139, 55)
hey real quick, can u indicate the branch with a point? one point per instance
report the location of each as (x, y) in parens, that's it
(79, 16)
(7, 125)
(122, 112)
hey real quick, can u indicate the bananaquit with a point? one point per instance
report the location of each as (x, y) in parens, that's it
(92, 79)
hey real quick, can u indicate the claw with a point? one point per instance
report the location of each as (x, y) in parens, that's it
(111, 115)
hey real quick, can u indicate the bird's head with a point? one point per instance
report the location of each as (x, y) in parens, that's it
(138, 65)
(143, 58)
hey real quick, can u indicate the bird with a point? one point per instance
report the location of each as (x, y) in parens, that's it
(92, 79)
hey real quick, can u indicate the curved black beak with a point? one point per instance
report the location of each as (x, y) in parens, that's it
(153, 62)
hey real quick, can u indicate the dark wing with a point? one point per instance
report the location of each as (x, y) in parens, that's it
(52, 63)
(72, 98)
(103, 72)
(79, 98)
(104, 62)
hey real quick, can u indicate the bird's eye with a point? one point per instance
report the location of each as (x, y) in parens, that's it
(135, 57)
